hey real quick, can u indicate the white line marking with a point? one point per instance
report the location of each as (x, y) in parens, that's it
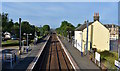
(69, 56)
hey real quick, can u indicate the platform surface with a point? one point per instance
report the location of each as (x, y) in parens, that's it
(83, 62)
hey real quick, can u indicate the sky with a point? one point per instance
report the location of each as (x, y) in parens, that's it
(59, 0)
(53, 13)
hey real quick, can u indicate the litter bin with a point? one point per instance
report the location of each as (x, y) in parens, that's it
(82, 54)
(27, 49)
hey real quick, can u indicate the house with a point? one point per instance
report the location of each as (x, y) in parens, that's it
(98, 35)
(114, 36)
(114, 31)
(7, 35)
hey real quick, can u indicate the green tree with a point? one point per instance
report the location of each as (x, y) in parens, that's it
(0, 24)
(10, 25)
(27, 28)
(4, 22)
(78, 25)
(15, 29)
(65, 26)
(46, 28)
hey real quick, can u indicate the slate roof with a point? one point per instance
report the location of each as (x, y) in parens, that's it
(82, 27)
(110, 25)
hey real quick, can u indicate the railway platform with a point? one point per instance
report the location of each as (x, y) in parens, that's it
(25, 60)
(83, 62)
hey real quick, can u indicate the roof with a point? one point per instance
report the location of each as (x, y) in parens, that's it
(82, 27)
(6, 33)
(110, 25)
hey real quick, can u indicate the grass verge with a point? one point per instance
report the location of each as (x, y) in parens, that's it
(108, 59)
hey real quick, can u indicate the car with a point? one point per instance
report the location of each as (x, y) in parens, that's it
(14, 37)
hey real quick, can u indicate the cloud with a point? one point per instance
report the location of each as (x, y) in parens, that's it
(40, 13)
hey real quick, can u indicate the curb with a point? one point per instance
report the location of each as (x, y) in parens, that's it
(32, 64)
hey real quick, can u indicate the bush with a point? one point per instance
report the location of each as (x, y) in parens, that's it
(108, 58)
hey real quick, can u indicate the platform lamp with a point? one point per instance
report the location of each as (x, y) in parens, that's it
(70, 36)
(27, 37)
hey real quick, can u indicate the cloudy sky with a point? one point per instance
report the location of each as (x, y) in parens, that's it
(53, 13)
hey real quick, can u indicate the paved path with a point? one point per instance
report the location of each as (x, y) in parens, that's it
(83, 62)
(28, 58)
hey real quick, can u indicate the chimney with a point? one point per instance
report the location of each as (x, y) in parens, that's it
(96, 16)
(85, 21)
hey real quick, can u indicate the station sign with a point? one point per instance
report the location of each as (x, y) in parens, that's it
(97, 56)
(117, 63)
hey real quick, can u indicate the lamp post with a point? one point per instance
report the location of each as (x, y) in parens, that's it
(35, 39)
(62, 34)
(20, 36)
(70, 36)
(27, 37)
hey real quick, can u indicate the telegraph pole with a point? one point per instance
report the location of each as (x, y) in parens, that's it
(20, 36)
(87, 37)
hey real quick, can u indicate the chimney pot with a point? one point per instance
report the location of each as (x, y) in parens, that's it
(98, 13)
(96, 16)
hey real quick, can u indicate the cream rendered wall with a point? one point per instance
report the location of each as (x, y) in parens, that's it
(84, 37)
(101, 36)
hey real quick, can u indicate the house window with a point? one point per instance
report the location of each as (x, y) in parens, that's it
(110, 30)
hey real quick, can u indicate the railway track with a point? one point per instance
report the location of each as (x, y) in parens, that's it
(53, 57)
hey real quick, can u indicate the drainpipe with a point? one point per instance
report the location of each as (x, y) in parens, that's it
(81, 43)
(87, 39)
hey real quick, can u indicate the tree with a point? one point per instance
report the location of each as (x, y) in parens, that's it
(4, 22)
(46, 27)
(15, 29)
(0, 24)
(10, 25)
(41, 31)
(27, 28)
(78, 25)
(65, 26)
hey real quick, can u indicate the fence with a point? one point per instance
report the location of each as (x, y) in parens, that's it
(10, 55)
(91, 56)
